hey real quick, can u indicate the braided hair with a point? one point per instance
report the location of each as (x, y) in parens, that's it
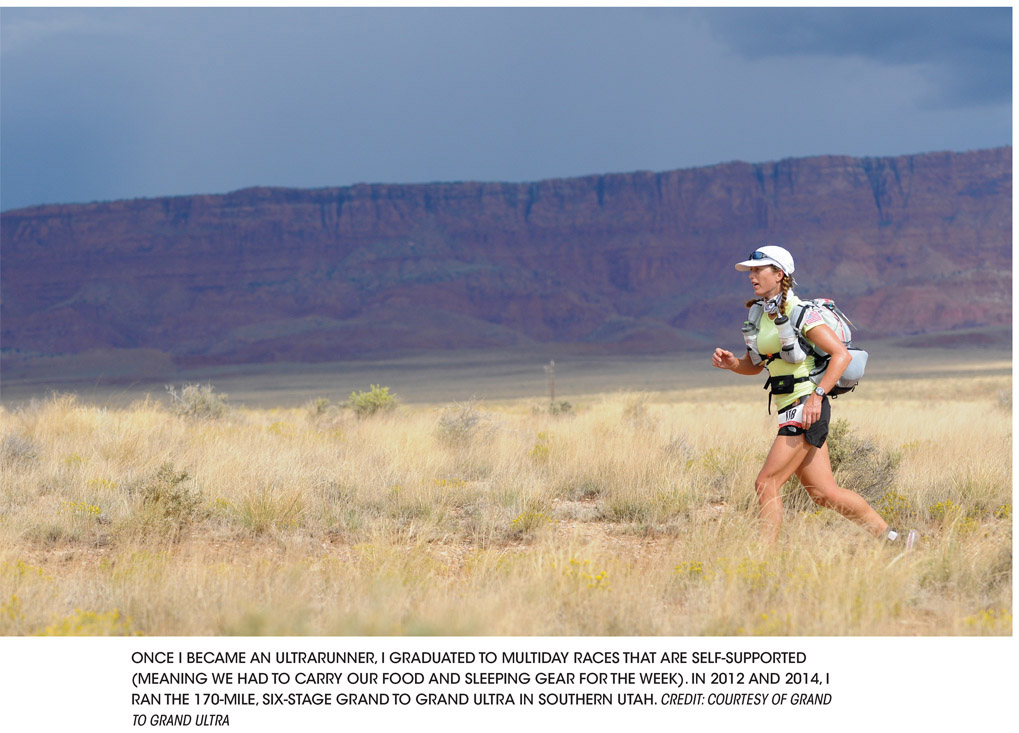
(787, 284)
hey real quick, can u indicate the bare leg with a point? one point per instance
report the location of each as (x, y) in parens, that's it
(816, 476)
(788, 452)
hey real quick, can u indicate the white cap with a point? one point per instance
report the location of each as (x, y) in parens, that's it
(769, 255)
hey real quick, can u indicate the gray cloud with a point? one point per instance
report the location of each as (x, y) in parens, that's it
(25, 30)
(966, 53)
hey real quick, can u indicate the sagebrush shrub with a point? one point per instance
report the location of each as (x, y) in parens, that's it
(197, 401)
(168, 501)
(18, 449)
(461, 424)
(635, 410)
(858, 462)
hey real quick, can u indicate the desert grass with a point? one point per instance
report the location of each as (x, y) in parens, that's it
(632, 514)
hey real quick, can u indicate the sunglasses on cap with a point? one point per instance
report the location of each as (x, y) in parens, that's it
(759, 255)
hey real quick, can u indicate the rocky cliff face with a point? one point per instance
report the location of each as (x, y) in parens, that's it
(633, 262)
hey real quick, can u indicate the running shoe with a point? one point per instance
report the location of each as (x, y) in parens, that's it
(909, 539)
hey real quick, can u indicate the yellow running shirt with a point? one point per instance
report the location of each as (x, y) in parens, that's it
(768, 342)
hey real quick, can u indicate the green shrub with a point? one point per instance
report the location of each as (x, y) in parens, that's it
(378, 399)
(197, 401)
(318, 406)
(165, 489)
(562, 407)
(542, 450)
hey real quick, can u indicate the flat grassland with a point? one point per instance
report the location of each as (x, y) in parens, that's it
(625, 513)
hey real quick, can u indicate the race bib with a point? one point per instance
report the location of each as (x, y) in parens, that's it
(792, 416)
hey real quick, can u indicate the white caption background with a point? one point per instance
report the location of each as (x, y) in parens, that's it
(88, 684)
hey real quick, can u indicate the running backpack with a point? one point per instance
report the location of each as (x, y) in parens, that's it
(811, 312)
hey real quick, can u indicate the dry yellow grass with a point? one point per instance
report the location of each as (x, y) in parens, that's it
(633, 514)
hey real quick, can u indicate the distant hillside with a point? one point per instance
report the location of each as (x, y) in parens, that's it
(637, 262)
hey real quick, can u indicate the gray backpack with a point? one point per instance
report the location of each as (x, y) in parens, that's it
(832, 317)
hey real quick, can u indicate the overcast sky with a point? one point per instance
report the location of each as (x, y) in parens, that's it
(100, 104)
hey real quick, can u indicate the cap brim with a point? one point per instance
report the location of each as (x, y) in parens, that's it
(747, 264)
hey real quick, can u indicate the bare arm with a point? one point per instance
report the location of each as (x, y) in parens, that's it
(727, 360)
(824, 337)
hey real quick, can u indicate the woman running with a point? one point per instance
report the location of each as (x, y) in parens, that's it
(803, 406)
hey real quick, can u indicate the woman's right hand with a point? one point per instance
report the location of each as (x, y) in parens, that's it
(724, 359)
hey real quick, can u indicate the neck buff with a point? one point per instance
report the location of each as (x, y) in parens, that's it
(770, 305)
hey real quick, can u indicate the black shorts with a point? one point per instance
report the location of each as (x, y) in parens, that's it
(817, 433)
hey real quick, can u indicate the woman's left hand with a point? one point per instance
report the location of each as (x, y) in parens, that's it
(811, 411)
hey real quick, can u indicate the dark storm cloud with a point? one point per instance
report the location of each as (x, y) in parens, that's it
(101, 103)
(966, 52)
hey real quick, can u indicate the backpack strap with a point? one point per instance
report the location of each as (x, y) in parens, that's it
(754, 318)
(755, 314)
(842, 315)
(797, 316)
(799, 311)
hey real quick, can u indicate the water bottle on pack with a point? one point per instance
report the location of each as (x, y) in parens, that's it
(792, 352)
(750, 339)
